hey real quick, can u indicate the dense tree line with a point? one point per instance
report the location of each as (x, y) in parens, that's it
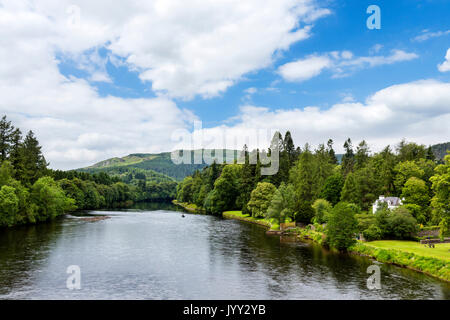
(311, 186)
(30, 192)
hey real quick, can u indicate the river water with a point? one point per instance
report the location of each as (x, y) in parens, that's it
(154, 253)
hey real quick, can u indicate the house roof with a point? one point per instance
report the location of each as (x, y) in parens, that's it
(395, 201)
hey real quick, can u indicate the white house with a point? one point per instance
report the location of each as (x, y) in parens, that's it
(392, 203)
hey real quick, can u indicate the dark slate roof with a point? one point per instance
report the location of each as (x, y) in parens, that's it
(395, 201)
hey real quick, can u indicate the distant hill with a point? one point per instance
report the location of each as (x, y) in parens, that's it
(160, 167)
(440, 150)
(150, 164)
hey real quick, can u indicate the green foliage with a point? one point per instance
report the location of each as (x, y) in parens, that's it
(150, 164)
(372, 233)
(341, 227)
(416, 198)
(260, 199)
(348, 159)
(402, 224)
(350, 192)
(322, 209)
(227, 188)
(409, 151)
(365, 220)
(419, 213)
(332, 189)
(440, 203)
(50, 199)
(184, 190)
(30, 192)
(282, 204)
(440, 151)
(429, 265)
(9, 206)
(404, 171)
(359, 181)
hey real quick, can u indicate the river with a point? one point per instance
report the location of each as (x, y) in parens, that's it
(151, 252)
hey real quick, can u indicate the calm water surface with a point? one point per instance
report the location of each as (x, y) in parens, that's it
(156, 254)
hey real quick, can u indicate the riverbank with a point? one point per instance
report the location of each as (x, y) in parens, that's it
(189, 207)
(237, 215)
(432, 266)
(405, 254)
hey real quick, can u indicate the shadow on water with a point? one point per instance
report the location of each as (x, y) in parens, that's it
(151, 252)
(25, 249)
(294, 269)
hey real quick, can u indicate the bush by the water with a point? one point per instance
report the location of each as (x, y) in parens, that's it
(342, 227)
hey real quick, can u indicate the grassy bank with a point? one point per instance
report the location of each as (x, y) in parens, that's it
(441, 250)
(308, 234)
(409, 255)
(189, 206)
(237, 215)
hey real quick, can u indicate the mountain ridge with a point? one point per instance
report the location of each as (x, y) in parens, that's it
(161, 163)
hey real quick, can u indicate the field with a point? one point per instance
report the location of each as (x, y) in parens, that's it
(441, 250)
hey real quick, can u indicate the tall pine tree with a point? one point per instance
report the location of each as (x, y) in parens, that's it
(34, 162)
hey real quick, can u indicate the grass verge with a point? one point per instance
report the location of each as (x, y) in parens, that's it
(405, 254)
(188, 206)
(237, 215)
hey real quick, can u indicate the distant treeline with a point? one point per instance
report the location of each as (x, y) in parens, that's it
(310, 183)
(30, 192)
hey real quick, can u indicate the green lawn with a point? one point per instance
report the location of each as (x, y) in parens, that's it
(239, 216)
(441, 250)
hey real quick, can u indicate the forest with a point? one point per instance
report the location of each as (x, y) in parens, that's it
(311, 186)
(30, 192)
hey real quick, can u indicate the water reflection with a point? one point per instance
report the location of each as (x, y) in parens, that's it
(145, 253)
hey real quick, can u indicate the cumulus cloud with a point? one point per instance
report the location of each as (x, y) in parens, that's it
(304, 69)
(445, 66)
(181, 48)
(75, 125)
(418, 111)
(341, 63)
(203, 48)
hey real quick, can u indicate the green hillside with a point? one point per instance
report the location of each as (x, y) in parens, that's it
(440, 150)
(159, 167)
(155, 166)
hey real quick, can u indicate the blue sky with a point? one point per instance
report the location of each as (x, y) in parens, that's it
(344, 29)
(96, 81)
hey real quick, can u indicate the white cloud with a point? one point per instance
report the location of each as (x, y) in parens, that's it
(445, 66)
(341, 63)
(185, 48)
(418, 111)
(251, 90)
(304, 69)
(426, 34)
(372, 61)
(204, 47)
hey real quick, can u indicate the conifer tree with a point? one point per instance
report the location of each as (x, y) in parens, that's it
(6, 133)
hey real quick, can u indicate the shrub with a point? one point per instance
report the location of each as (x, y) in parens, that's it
(322, 210)
(372, 233)
(341, 227)
(402, 225)
(260, 198)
